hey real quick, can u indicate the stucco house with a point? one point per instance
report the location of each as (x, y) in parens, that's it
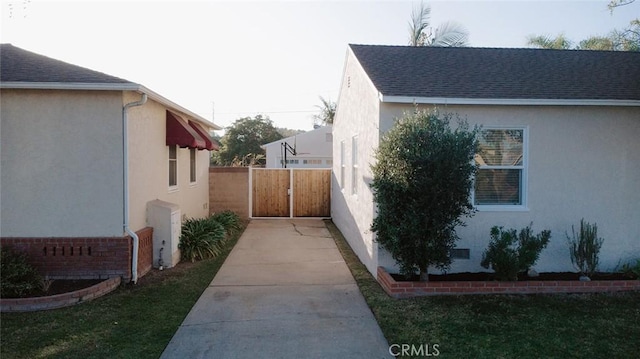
(97, 171)
(566, 122)
(313, 150)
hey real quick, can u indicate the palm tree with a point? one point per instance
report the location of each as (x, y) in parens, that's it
(559, 42)
(327, 112)
(447, 34)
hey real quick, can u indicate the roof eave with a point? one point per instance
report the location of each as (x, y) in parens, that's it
(125, 86)
(507, 102)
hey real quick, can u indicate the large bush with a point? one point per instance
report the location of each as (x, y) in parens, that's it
(510, 252)
(421, 184)
(19, 278)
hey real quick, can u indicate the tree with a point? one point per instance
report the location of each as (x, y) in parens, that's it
(617, 3)
(327, 112)
(447, 34)
(244, 138)
(559, 42)
(617, 40)
(421, 184)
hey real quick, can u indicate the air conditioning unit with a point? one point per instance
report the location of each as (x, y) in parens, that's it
(164, 217)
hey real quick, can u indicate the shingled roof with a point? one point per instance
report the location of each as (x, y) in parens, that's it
(22, 69)
(501, 73)
(19, 65)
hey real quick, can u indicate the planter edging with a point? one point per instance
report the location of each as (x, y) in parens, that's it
(59, 300)
(415, 289)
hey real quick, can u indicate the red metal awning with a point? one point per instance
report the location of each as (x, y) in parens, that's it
(211, 144)
(181, 134)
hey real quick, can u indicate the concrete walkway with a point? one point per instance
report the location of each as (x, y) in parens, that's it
(283, 292)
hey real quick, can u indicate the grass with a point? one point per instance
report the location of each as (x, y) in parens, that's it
(505, 326)
(135, 321)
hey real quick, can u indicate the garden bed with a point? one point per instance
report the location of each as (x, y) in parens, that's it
(486, 276)
(482, 283)
(67, 293)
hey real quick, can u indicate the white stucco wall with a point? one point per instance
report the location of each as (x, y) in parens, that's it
(149, 166)
(311, 145)
(583, 163)
(357, 114)
(61, 155)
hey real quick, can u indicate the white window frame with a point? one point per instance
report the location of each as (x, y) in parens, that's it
(173, 187)
(342, 165)
(524, 180)
(193, 166)
(355, 168)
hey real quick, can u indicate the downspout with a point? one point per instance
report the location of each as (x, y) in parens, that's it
(125, 182)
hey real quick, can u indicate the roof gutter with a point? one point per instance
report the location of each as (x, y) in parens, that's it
(506, 102)
(125, 183)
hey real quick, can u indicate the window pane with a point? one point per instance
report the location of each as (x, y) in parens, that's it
(173, 166)
(498, 187)
(173, 178)
(192, 169)
(500, 148)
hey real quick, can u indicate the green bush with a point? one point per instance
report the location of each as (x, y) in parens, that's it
(229, 220)
(584, 247)
(510, 252)
(201, 238)
(421, 185)
(19, 278)
(630, 269)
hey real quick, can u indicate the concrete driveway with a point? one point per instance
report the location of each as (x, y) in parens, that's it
(283, 292)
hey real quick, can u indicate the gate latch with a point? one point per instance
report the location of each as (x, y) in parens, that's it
(288, 191)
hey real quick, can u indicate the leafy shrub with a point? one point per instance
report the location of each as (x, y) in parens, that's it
(584, 247)
(19, 278)
(421, 184)
(510, 252)
(201, 238)
(229, 220)
(631, 270)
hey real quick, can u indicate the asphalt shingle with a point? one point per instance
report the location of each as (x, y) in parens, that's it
(501, 73)
(19, 65)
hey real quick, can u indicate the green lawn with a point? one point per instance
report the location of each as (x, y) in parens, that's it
(135, 321)
(505, 326)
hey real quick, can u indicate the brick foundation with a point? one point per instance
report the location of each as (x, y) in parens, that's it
(145, 250)
(416, 289)
(85, 258)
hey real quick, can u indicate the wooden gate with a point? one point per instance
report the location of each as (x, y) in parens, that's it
(290, 192)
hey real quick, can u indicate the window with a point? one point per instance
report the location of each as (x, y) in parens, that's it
(354, 162)
(192, 165)
(342, 164)
(290, 162)
(501, 176)
(173, 166)
(312, 162)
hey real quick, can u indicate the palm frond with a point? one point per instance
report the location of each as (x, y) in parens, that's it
(418, 24)
(450, 34)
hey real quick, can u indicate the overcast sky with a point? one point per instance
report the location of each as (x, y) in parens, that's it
(265, 57)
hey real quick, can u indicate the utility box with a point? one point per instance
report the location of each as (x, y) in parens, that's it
(164, 217)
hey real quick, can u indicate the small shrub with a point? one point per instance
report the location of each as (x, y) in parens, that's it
(229, 220)
(510, 252)
(201, 238)
(631, 270)
(19, 278)
(584, 248)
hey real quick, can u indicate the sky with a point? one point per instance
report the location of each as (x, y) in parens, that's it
(229, 59)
